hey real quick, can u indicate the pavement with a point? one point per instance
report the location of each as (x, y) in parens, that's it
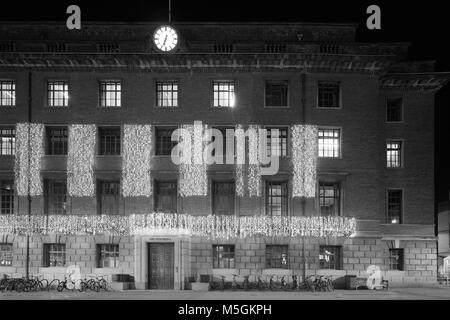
(425, 293)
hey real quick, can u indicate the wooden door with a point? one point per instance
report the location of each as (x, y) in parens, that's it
(161, 266)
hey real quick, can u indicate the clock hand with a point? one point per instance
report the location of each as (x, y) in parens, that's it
(165, 39)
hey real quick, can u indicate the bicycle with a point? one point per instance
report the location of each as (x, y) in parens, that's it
(246, 283)
(308, 284)
(234, 284)
(67, 284)
(261, 284)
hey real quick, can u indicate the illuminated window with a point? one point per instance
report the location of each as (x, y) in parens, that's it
(110, 93)
(6, 254)
(394, 109)
(109, 141)
(6, 197)
(329, 198)
(7, 141)
(58, 94)
(394, 154)
(7, 93)
(277, 256)
(276, 198)
(328, 94)
(54, 255)
(165, 196)
(223, 94)
(329, 143)
(107, 256)
(167, 94)
(223, 256)
(56, 140)
(396, 259)
(164, 143)
(55, 196)
(330, 257)
(280, 148)
(276, 93)
(395, 205)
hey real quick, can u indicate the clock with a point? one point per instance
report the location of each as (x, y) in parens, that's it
(165, 38)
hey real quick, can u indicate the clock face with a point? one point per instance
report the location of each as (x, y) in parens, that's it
(165, 38)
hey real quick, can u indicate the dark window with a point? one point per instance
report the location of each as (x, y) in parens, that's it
(330, 257)
(280, 148)
(396, 259)
(223, 198)
(6, 254)
(165, 196)
(223, 256)
(110, 93)
(330, 48)
(6, 197)
(277, 256)
(109, 141)
(223, 48)
(167, 94)
(107, 255)
(394, 109)
(330, 198)
(56, 47)
(329, 143)
(328, 94)
(109, 196)
(7, 93)
(223, 94)
(55, 196)
(54, 255)
(7, 46)
(57, 140)
(275, 48)
(395, 205)
(58, 93)
(394, 154)
(276, 93)
(225, 137)
(164, 143)
(276, 198)
(108, 47)
(7, 141)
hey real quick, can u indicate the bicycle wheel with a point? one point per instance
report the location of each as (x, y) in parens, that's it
(82, 287)
(18, 286)
(61, 286)
(43, 285)
(53, 284)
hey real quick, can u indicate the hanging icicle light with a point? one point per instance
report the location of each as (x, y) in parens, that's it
(240, 160)
(136, 162)
(304, 160)
(80, 160)
(254, 169)
(28, 159)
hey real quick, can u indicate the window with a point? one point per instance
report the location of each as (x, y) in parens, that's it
(167, 94)
(230, 136)
(223, 94)
(7, 141)
(330, 257)
(276, 93)
(58, 94)
(55, 196)
(56, 47)
(223, 198)
(7, 46)
(329, 143)
(330, 48)
(223, 48)
(396, 259)
(164, 143)
(108, 199)
(165, 196)
(277, 256)
(276, 198)
(394, 154)
(280, 148)
(7, 93)
(328, 94)
(275, 48)
(394, 109)
(329, 199)
(395, 205)
(107, 256)
(109, 141)
(54, 255)
(108, 47)
(6, 254)
(223, 256)
(56, 140)
(110, 93)
(6, 197)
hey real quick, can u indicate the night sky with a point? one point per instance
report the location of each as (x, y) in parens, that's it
(424, 24)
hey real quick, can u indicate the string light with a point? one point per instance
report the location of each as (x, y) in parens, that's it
(254, 169)
(136, 162)
(80, 160)
(211, 226)
(304, 160)
(28, 159)
(240, 160)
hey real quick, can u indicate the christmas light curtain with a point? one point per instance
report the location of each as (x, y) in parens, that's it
(136, 162)
(254, 169)
(28, 158)
(81, 160)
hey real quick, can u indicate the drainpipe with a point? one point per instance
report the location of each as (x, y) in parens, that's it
(303, 120)
(27, 265)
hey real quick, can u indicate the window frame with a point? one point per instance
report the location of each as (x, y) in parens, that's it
(287, 106)
(12, 197)
(338, 263)
(401, 155)
(99, 193)
(288, 137)
(100, 144)
(216, 263)
(66, 83)
(341, 196)
(12, 137)
(100, 254)
(172, 81)
(47, 254)
(400, 261)
(402, 204)
(155, 193)
(49, 206)
(287, 201)
(212, 184)
(340, 101)
(5, 254)
(100, 93)
(155, 135)
(223, 81)
(48, 144)
(341, 138)
(280, 265)
(402, 108)
(14, 90)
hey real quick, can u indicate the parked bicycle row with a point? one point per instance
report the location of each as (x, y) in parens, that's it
(39, 283)
(272, 282)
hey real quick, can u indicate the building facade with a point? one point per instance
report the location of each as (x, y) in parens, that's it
(373, 109)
